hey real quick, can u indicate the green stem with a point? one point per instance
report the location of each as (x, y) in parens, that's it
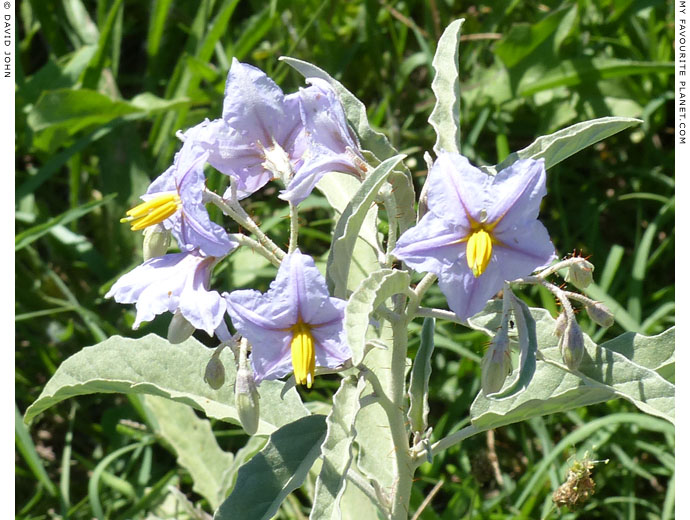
(426, 312)
(244, 240)
(402, 485)
(447, 442)
(294, 228)
(233, 210)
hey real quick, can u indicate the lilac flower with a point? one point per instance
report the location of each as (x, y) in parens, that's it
(330, 143)
(295, 326)
(265, 134)
(255, 140)
(174, 282)
(175, 199)
(480, 230)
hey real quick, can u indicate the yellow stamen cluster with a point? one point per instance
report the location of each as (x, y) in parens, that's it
(479, 248)
(303, 355)
(153, 211)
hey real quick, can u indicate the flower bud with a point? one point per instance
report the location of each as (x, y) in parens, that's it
(156, 241)
(215, 373)
(600, 314)
(496, 364)
(572, 345)
(247, 400)
(179, 329)
(580, 273)
(561, 322)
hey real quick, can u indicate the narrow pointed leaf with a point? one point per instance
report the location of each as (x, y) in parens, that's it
(371, 293)
(277, 470)
(336, 450)
(151, 365)
(347, 229)
(556, 147)
(419, 379)
(445, 117)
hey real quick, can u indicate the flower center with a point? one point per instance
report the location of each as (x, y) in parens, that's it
(478, 251)
(303, 355)
(153, 211)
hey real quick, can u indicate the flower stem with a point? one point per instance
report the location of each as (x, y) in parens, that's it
(233, 210)
(442, 314)
(244, 240)
(294, 228)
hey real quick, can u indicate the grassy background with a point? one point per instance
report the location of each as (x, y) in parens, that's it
(88, 143)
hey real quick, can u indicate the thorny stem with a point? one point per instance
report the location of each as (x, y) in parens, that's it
(557, 292)
(244, 240)
(557, 267)
(233, 209)
(419, 291)
(294, 227)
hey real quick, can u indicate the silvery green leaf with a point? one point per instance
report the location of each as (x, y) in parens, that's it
(656, 353)
(151, 365)
(445, 117)
(336, 451)
(277, 470)
(355, 111)
(195, 445)
(419, 379)
(556, 147)
(371, 293)
(376, 453)
(347, 229)
(403, 191)
(603, 375)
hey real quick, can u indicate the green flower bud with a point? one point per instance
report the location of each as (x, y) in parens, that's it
(561, 322)
(572, 345)
(179, 329)
(600, 314)
(156, 241)
(496, 364)
(215, 373)
(580, 273)
(247, 400)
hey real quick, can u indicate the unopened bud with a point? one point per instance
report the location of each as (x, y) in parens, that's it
(561, 322)
(247, 400)
(572, 344)
(215, 373)
(156, 241)
(496, 364)
(179, 329)
(580, 273)
(600, 314)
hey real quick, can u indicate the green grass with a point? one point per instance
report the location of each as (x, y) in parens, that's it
(85, 151)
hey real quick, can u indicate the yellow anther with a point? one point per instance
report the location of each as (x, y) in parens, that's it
(478, 251)
(303, 355)
(152, 211)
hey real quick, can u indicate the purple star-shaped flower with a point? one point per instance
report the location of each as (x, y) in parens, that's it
(295, 326)
(265, 134)
(173, 282)
(175, 199)
(329, 143)
(480, 230)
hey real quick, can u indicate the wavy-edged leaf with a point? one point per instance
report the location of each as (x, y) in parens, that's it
(445, 117)
(656, 353)
(556, 147)
(603, 375)
(193, 441)
(371, 293)
(336, 450)
(277, 470)
(151, 365)
(347, 229)
(419, 378)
